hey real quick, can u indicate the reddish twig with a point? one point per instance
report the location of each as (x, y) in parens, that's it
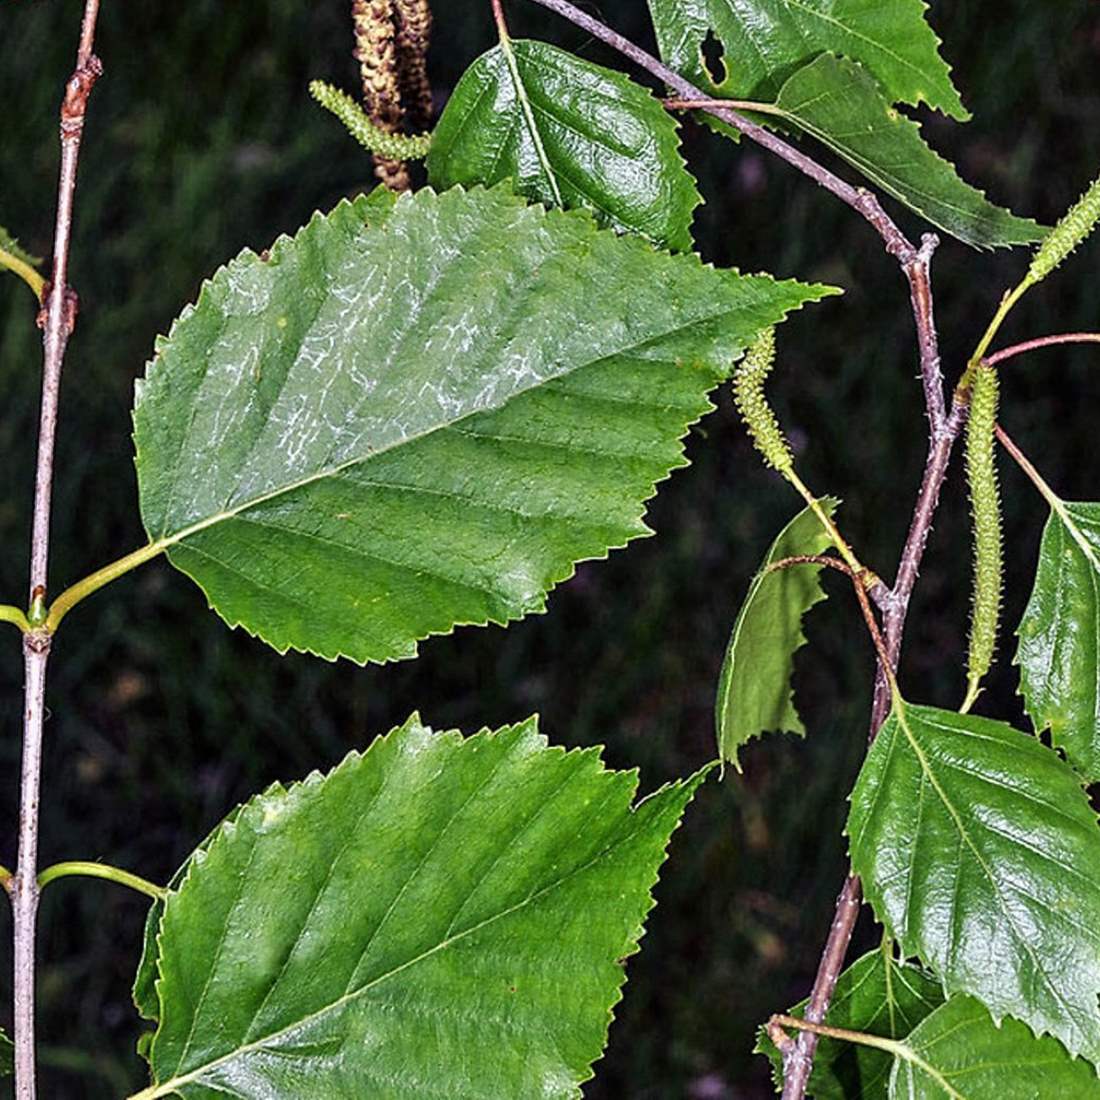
(858, 583)
(1005, 354)
(57, 321)
(859, 199)
(1025, 464)
(944, 430)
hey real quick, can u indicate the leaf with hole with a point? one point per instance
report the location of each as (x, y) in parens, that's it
(838, 102)
(980, 853)
(764, 41)
(438, 915)
(876, 995)
(1059, 651)
(754, 688)
(567, 133)
(959, 1053)
(405, 420)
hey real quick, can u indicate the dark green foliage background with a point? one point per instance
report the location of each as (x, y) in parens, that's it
(202, 139)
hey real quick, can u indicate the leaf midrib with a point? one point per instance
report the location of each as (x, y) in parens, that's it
(965, 837)
(167, 541)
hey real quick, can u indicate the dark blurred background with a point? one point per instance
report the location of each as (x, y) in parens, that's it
(201, 140)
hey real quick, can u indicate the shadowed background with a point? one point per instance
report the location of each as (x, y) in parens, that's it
(202, 140)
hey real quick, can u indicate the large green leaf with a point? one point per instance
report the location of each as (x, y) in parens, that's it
(1059, 652)
(981, 854)
(764, 41)
(438, 916)
(754, 689)
(878, 996)
(567, 133)
(7, 1055)
(959, 1053)
(839, 103)
(385, 430)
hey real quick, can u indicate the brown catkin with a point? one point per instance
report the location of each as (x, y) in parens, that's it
(376, 52)
(413, 20)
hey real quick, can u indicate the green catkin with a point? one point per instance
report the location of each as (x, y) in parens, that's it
(395, 147)
(752, 403)
(985, 501)
(1072, 230)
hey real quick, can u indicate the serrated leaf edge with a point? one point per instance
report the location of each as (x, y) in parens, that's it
(524, 208)
(526, 730)
(911, 954)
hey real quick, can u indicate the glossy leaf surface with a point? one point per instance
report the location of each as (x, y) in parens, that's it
(754, 689)
(145, 981)
(438, 916)
(1059, 651)
(959, 1053)
(878, 996)
(839, 103)
(567, 133)
(764, 41)
(980, 853)
(7, 1055)
(386, 430)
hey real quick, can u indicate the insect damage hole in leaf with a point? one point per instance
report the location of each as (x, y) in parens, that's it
(754, 689)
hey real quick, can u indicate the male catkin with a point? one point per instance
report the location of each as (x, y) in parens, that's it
(985, 501)
(1078, 222)
(376, 52)
(752, 403)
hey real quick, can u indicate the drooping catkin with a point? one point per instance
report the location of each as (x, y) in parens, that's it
(376, 52)
(1075, 226)
(752, 403)
(354, 118)
(985, 502)
(413, 20)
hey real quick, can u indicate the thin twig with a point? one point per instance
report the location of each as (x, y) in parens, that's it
(843, 1034)
(1005, 354)
(58, 319)
(856, 576)
(944, 430)
(1028, 468)
(862, 201)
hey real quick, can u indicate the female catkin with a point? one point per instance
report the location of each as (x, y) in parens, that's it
(752, 403)
(985, 500)
(1076, 225)
(398, 147)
